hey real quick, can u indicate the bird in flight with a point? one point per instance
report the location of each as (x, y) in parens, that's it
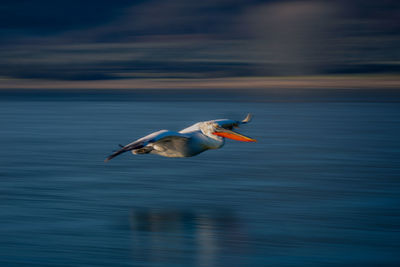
(188, 142)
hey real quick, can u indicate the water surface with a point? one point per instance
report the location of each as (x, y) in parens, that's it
(321, 187)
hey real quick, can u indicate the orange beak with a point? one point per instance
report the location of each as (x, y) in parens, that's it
(233, 135)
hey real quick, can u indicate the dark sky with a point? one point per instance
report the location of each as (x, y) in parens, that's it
(78, 40)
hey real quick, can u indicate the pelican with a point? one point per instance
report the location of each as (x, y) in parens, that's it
(188, 142)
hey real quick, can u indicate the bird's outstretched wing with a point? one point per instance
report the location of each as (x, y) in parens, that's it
(248, 118)
(173, 146)
(145, 144)
(132, 146)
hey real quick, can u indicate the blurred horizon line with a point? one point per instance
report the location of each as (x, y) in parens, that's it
(376, 81)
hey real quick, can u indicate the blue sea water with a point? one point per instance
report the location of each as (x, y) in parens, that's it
(321, 187)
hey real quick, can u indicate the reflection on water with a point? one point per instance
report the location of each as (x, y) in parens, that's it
(187, 237)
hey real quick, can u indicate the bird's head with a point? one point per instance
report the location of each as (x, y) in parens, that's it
(224, 128)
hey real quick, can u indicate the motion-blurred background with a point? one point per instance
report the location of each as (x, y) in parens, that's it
(102, 40)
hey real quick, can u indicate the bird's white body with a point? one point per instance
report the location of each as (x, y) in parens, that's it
(185, 143)
(188, 142)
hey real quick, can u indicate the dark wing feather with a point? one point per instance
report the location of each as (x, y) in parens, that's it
(141, 145)
(129, 147)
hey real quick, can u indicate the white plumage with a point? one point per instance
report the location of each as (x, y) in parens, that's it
(187, 142)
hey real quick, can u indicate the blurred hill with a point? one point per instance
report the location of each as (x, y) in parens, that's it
(218, 39)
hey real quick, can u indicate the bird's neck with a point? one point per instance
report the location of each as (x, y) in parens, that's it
(210, 140)
(214, 142)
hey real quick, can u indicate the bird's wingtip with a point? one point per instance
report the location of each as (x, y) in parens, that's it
(248, 118)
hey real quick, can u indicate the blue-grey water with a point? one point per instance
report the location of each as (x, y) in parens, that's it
(320, 188)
